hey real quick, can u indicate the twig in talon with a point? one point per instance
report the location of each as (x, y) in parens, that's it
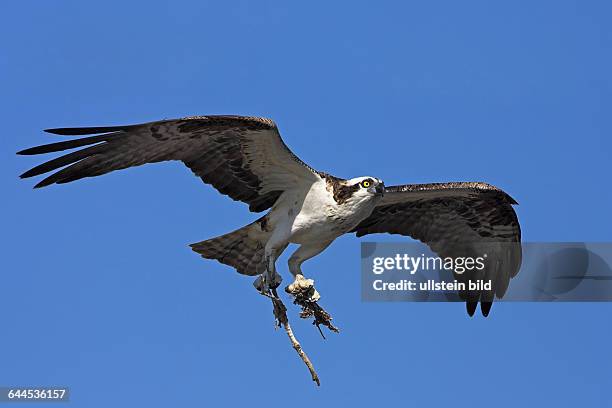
(280, 310)
(280, 313)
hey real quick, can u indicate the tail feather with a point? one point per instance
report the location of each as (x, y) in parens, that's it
(242, 249)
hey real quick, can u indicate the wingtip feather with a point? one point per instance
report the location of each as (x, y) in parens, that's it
(485, 308)
(29, 151)
(30, 173)
(71, 131)
(80, 131)
(471, 308)
(52, 130)
(43, 183)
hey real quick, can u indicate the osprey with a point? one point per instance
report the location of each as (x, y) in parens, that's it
(246, 159)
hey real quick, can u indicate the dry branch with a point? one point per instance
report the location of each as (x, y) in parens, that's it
(280, 313)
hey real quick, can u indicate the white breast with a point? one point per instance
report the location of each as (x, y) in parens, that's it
(319, 217)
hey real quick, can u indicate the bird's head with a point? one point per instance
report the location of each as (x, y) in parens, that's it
(367, 187)
(356, 192)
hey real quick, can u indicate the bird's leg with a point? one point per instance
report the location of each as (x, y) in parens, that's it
(269, 280)
(303, 291)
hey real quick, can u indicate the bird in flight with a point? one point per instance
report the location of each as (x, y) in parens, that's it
(246, 159)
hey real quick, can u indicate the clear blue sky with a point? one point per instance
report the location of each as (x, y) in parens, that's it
(100, 292)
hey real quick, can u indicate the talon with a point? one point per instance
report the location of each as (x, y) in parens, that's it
(303, 289)
(264, 284)
(261, 285)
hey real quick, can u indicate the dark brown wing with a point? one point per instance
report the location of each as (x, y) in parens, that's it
(242, 157)
(456, 220)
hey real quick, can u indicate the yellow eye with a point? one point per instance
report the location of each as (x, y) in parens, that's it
(365, 184)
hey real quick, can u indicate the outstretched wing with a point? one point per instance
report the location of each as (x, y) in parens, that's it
(456, 220)
(242, 157)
